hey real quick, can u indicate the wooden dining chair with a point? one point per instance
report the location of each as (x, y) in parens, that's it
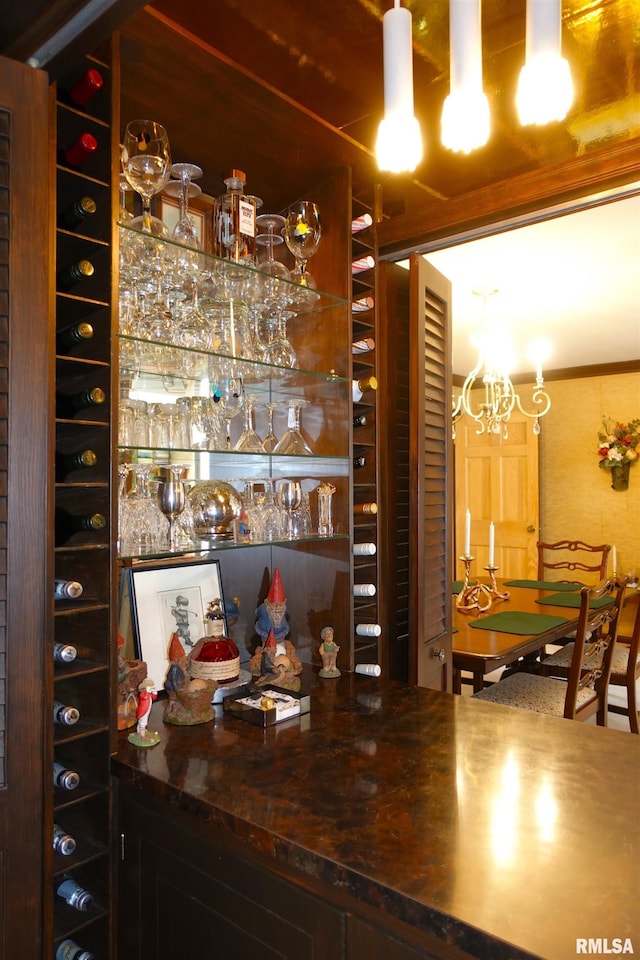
(584, 693)
(625, 669)
(573, 558)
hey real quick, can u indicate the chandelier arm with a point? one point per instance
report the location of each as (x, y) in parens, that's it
(539, 397)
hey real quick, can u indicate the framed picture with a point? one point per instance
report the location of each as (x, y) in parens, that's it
(167, 600)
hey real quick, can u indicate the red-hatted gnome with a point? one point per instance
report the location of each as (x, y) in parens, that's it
(281, 664)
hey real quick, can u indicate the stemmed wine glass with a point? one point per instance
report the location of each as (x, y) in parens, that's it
(146, 164)
(290, 498)
(185, 231)
(270, 239)
(171, 497)
(227, 390)
(302, 231)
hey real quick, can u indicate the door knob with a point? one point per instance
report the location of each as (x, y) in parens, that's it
(531, 528)
(438, 655)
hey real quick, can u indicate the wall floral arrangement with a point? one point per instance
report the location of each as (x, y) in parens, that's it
(618, 449)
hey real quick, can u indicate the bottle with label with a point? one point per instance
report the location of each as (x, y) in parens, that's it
(86, 87)
(63, 842)
(65, 778)
(64, 652)
(64, 714)
(75, 273)
(67, 463)
(69, 950)
(69, 404)
(70, 337)
(80, 150)
(67, 589)
(215, 619)
(75, 895)
(67, 524)
(365, 508)
(81, 210)
(362, 386)
(234, 220)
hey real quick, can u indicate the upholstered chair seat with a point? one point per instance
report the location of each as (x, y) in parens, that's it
(531, 692)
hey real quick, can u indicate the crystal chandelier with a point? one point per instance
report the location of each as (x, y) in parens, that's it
(498, 399)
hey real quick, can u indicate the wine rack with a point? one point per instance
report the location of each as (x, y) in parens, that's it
(83, 306)
(366, 615)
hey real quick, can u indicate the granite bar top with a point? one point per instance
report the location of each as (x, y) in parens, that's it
(505, 833)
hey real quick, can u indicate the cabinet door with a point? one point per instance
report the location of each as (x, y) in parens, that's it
(24, 245)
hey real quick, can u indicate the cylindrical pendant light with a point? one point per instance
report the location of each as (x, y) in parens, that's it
(399, 143)
(545, 88)
(465, 115)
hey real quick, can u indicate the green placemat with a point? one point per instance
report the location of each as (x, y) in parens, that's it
(544, 584)
(523, 624)
(573, 600)
(457, 585)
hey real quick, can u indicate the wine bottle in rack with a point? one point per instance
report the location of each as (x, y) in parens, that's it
(362, 386)
(81, 210)
(359, 462)
(368, 629)
(366, 345)
(364, 589)
(360, 421)
(67, 524)
(71, 336)
(63, 842)
(67, 463)
(361, 223)
(67, 589)
(64, 714)
(75, 273)
(364, 549)
(86, 87)
(64, 652)
(68, 404)
(365, 508)
(65, 778)
(69, 950)
(362, 264)
(75, 895)
(80, 150)
(362, 304)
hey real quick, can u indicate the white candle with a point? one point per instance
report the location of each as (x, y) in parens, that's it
(492, 543)
(614, 558)
(467, 534)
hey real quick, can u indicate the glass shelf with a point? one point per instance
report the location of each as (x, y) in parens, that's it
(200, 547)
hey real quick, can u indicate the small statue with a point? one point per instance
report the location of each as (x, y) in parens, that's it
(328, 650)
(146, 695)
(188, 699)
(276, 660)
(272, 613)
(131, 673)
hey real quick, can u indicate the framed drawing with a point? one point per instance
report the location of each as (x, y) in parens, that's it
(167, 600)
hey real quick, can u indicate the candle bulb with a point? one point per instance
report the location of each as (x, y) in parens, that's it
(492, 543)
(614, 559)
(467, 534)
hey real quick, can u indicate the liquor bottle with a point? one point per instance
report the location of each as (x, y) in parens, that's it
(63, 842)
(360, 387)
(234, 219)
(364, 589)
(69, 950)
(67, 463)
(64, 652)
(362, 264)
(86, 87)
(71, 336)
(67, 589)
(82, 209)
(67, 524)
(64, 714)
(65, 778)
(68, 404)
(363, 346)
(75, 895)
(75, 273)
(215, 619)
(359, 421)
(364, 549)
(359, 462)
(80, 150)
(365, 508)
(361, 223)
(368, 629)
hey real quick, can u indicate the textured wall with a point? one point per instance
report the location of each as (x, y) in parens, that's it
(576, 499)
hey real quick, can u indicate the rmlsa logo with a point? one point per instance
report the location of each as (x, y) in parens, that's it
(601, 947)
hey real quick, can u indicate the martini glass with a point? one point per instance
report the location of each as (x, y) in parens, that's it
(292, 442)
(146, 164)
(302, 232)
(185, 231)
(249, 441)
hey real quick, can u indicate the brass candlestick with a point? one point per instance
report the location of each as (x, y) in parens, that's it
(493, 588)
(476, 596)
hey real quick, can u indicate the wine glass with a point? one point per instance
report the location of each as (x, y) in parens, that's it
(227, 391)
(290, 498)
(270, 239)
(185, 230)
(302, 231)
(171, 497)
(146, 164)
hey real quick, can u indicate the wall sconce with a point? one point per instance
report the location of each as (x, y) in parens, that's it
(465, 114)
(545, 87)
(399, 142)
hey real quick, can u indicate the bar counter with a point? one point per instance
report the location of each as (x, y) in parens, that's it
(495, 832)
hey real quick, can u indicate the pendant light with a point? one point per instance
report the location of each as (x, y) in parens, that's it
(399, 143)
(465, 115)
(545, 88)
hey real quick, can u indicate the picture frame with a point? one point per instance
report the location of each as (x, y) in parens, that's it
(167, 599)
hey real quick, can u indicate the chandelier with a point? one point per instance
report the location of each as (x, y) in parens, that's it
(497, 398)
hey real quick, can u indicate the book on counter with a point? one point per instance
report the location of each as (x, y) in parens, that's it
(267, 706)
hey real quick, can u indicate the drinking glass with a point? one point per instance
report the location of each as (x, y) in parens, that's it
(249, 441)
(171, 497)
(146, 164)
(185, 230)
(290, 498)
(292, 442)
(227, 391)
(302, 232)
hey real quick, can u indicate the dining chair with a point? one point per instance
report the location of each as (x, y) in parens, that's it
(572, 557)
(584, 693)
(625, 669)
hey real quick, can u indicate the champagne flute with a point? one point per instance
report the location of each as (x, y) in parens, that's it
(146, 164)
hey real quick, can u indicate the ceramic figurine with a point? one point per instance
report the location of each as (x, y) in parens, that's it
(188, 699)
(281, 664)
(272, 613)
(328, 650)
(142, 736)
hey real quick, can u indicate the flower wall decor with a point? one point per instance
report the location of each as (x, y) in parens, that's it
(618, 448)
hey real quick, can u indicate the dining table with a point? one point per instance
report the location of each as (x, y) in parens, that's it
(535, 613)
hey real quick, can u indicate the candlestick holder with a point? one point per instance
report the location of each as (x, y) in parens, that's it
(473, 596)
(493, 588)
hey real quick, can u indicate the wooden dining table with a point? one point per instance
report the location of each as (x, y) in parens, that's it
(481, 651)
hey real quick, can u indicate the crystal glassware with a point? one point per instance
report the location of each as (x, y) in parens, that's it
(146, 164)
(185, 230)
(302, 232)
(292, 441)
(290, 498)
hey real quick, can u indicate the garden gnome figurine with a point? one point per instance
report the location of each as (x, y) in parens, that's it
(272, 613)
(328, 650)
(146, 695)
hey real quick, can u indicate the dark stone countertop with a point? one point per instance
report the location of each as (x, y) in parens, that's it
(502, 832)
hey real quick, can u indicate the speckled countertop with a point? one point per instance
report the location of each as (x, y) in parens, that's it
(500, 831)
